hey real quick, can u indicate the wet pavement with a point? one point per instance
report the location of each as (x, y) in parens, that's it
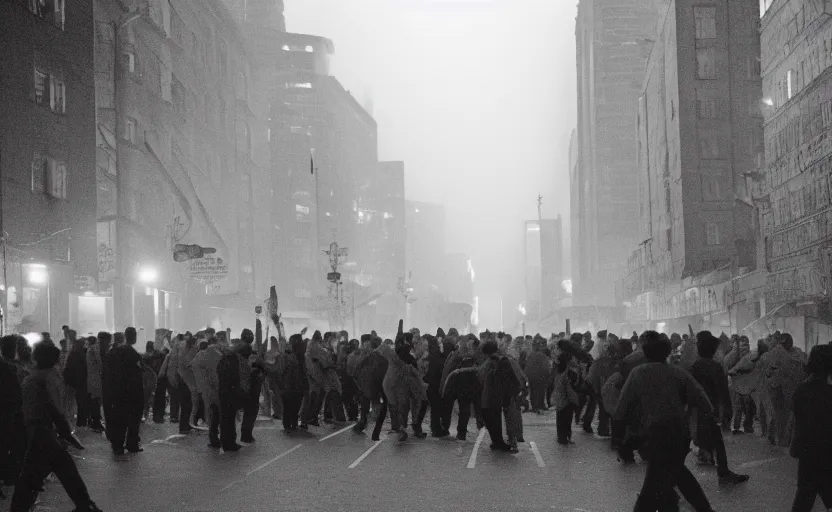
(333, 469)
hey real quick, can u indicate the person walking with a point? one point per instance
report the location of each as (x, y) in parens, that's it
(492, 397)
(46, 427)
(711, 376)
(743, 383)
(204, 366)
(812, 441)
(124, 395)
(293, 382)
(658, 393)
(95, 371)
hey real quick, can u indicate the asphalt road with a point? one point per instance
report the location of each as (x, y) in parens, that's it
(333, 469)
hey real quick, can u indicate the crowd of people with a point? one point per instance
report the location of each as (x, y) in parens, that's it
(652, 394)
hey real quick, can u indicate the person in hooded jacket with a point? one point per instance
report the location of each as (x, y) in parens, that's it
(742, 384)
(232, 398)
(463, 386)
(600, 371)
(75, 378)
(252, 374)
(495, 375)
(291, 374)
(369, 373)
(812, 441)
(539, 372)
(185, 353)
(95, 370)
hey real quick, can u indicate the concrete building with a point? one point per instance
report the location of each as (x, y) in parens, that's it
(47, 167)
(792, 194)
(699, 131)
(182, 154)
(543, 268)
(613, 41)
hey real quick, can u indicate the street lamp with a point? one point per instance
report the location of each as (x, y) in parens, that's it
(148, 275)
(37, 274)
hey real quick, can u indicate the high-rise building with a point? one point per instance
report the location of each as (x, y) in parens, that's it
(182, 155)
(700, 132)
(613, 41)
(47, 168)
(543, 267)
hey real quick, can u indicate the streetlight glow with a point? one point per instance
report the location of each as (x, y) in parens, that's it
(148, 275)
(38, 275)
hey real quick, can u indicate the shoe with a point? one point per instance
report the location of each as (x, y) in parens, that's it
(501, 447)
(461, 437)
(91, 507)
(232, 448)
(118, 452)
(512, 448)
(418, 434)
(589, 430)
(304, 426)
(738, 431)
(520, 439)
(374, 437)
(402, 436)
(438, 434)
(174, 419)
(214, 444)
(359, 427)
(248, 440)
(137, 449)
(732, 478)
(186, 432)
(315, 423)
(748, 430)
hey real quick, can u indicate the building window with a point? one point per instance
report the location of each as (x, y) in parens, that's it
(59, 9)
(789, 84)
(56, 180)
(130, 130)
(57, 99)
(667, 197)
(299, 85)
(40, 165)
(668, 234)
(707, 108)
(708, 145)
(129, 61)
(40, 87)
(705, 22)
(711, 189)
(706, 63)
(712, 234)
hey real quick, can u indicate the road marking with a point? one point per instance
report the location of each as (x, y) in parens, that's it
(336, 433)
(756, 463)
(472, 461)
(537, 455)
(269, 463)
(365, 454)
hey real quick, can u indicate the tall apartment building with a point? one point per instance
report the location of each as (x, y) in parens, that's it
(543, 267)
(699, 136)
(613, 40)
(182, 153)
(793, 193)
(47, 166)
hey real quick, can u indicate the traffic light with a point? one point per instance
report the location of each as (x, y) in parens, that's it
(182, 252)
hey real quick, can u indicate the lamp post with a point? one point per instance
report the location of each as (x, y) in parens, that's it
(335, 254)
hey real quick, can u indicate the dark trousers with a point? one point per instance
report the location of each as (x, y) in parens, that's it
(186, 406)
(200, 410)
(228, 424)
(537, 395)
(437, 408)
(214, 424)
(423, 411)
(160, 400)
(589, 413)
(94, 411)
(464, 416)
(82, 407)
(382, 415)
(666, 469)
(291, 409)
(709, 438)
(603, 420)
(250, 410)
(174, 402)
(44, 455)
(350, 400)
(811, 481)
(744, 412)
(494, 423)
(123, 422)
(12, 445)
(563, 423)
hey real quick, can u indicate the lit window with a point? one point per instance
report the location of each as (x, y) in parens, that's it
(705, 22)
(129, 61)
(302, 209)
(764, 6)
(130, 130)
(298, 129)
(309, 49)
(58, 95)
(40, 87)
(56, 180)
(789, 78)
(299, 85)
(712, 234)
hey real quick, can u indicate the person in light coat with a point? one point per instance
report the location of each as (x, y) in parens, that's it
(204, 367)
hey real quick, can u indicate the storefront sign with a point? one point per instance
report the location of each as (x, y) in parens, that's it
(209, 270)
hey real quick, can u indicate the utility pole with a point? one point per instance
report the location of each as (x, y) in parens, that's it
(336, 254)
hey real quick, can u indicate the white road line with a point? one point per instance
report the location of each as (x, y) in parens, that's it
(472, 461)
(756, 463)
(365, 454)
(537, 455)
(269, 463)
(336, 433)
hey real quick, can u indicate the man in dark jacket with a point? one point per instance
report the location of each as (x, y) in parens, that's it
(433, 378)
(46, 426)
(463, 386)
(492, 397)
(657, 394)
(254, 365)
(369, 374)
(293, 381)
(812, 440)
(123, 389)
(12, 431)
(75, 377)
(711, 376)
(232, 398)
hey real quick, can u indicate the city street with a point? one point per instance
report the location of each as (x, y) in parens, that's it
(331, 468)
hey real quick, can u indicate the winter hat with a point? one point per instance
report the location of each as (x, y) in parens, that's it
(602, 334)
(440, 333)
(366, 338)
(416, 333)
(820, 360)
(453, 332)
(317, 336)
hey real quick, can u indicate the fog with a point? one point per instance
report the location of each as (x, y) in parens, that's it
(478, 98)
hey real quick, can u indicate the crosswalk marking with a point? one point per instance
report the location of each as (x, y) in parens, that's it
(269, 463)
(336, 433)
(472, 461)
(365, 454)
(537, 455)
